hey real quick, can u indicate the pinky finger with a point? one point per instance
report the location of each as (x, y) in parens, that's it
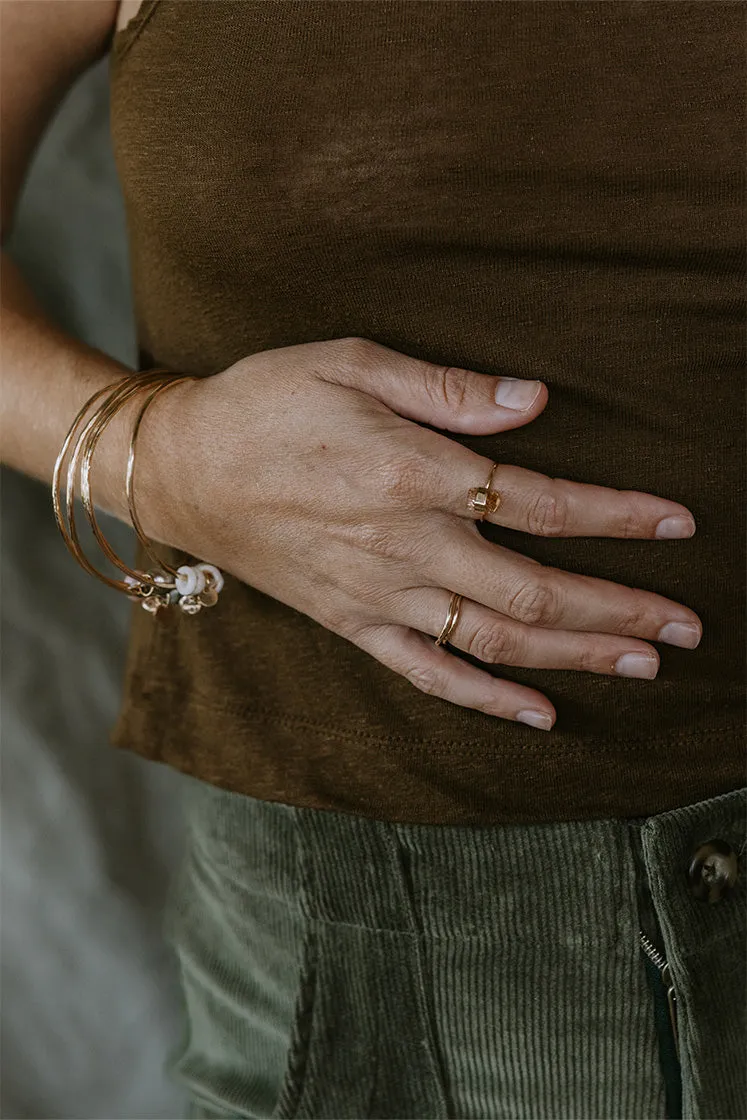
(434, 670)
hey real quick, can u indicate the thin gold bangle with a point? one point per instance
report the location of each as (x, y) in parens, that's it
(86, 449)
(70, 537)
(57, 473)
(130, 477)
(121, 394)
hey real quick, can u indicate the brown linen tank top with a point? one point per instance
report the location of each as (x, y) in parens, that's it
(550, 191)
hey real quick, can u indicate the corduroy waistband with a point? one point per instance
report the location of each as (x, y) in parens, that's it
(560, 883)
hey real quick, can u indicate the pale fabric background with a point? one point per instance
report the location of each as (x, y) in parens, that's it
(90, 1002)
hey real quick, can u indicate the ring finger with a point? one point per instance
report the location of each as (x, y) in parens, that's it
(496, 639)
(540, 596)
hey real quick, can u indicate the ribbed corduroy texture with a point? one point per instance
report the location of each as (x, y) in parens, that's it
(550, 190)
(340, 967)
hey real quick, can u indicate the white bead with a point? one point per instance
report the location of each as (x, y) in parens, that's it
(132, 581)
(215, 573)
(189, 581)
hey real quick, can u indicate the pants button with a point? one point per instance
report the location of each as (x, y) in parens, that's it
(713, 871)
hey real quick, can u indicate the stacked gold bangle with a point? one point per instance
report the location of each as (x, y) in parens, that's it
(191, 586)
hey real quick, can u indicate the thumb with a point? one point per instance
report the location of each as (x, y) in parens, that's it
(446, 397)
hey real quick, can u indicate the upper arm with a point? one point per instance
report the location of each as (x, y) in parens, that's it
(44, 46)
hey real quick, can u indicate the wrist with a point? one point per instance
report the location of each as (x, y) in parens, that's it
(158, 482)
(161, 489)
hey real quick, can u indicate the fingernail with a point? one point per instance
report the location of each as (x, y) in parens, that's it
(685, 634)
(672, 527)
(511, 392)
(536, 719)
(637, 665)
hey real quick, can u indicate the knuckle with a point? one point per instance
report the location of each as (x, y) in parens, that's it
(493, 643)
(358, 350)
(631, 519)
(405, 480)
(339, 622)
(549, 514)
(425, 678)
(535, 604)
(448, 386)
(588, 660)
(382, 541)
(634, 618)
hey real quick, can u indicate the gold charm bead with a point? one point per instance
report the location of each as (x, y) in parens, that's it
(152, 604)
(190, 604)
(209, 597)
(139, 591)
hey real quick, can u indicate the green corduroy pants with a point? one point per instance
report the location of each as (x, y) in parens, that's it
(339, 967)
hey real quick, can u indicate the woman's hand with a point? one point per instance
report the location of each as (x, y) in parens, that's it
(299, 471)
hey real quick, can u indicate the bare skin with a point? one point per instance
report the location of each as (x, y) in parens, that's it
(307, 475)
(126, 10)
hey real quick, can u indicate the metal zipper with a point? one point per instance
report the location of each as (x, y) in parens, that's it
(662, 964)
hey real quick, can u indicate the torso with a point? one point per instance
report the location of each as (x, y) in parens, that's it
(504, 187)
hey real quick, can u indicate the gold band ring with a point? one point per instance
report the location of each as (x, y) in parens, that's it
(483, 500)
(455, 603)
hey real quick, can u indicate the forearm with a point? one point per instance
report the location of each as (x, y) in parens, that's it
(47, 375)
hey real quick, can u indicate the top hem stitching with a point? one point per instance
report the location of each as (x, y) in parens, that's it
(265, 715)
